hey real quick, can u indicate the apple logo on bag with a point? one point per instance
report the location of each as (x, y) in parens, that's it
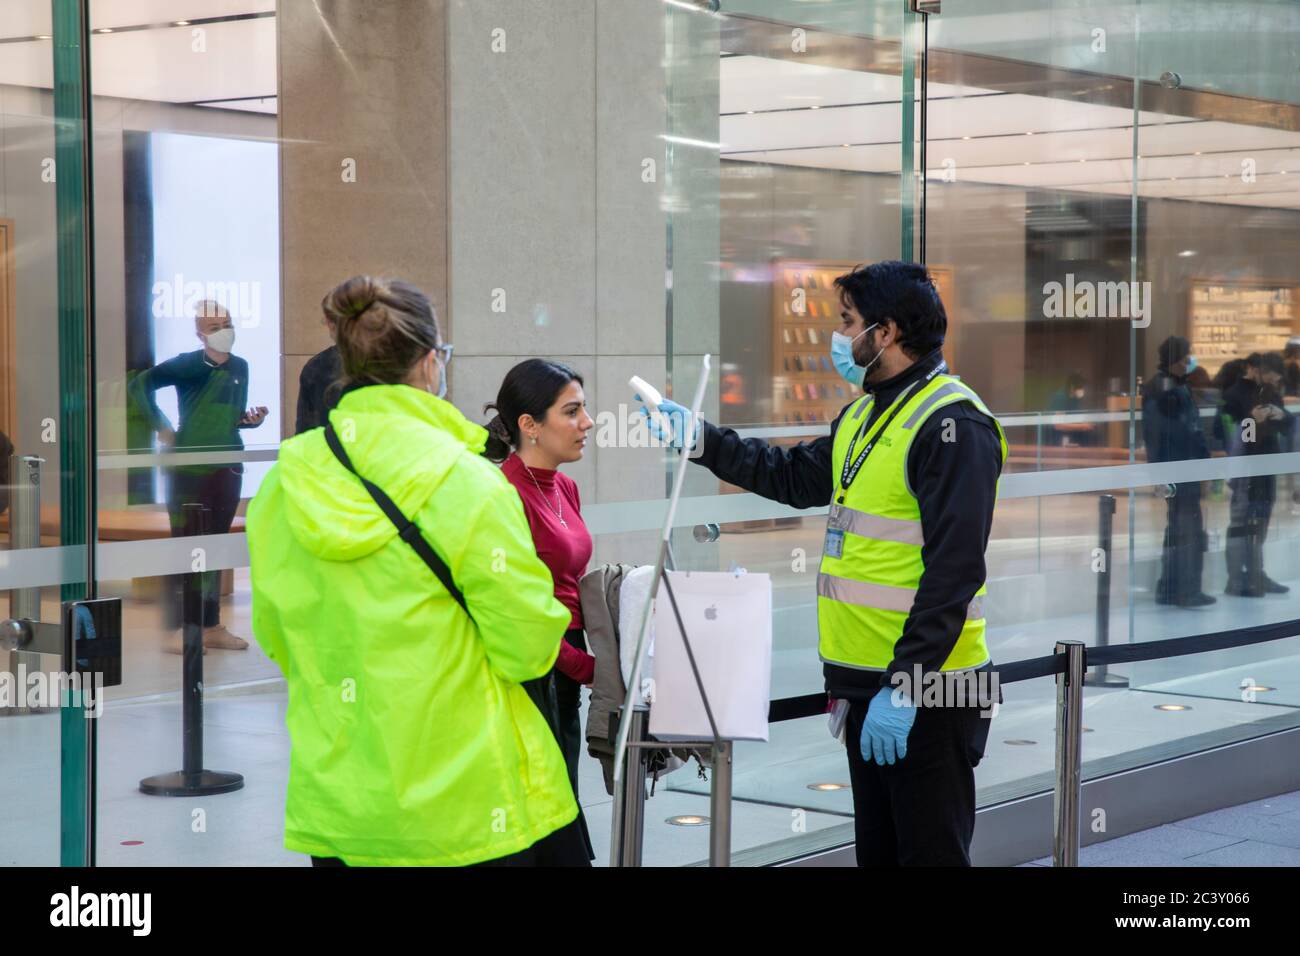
(711, 612)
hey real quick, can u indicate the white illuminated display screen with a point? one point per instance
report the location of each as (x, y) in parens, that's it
(216, 210)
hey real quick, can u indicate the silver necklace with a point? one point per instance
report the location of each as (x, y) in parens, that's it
(558, 510)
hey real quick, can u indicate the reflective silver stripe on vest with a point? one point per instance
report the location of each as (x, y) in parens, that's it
(863, 404)
(866, 525)
(881, 597)
(942, 391)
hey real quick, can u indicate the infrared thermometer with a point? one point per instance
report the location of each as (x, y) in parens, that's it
(650, 395)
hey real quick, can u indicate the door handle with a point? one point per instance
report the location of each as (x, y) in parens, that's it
(34, 637)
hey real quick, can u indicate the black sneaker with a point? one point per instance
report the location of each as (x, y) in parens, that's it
(1240, 590)
(1272, 587)
(1197, 600)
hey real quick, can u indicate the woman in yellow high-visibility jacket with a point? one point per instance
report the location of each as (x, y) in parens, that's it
(413, 742)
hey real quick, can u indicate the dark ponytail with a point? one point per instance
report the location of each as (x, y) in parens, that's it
(530, 388)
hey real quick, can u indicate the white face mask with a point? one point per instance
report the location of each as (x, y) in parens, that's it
(222, 340)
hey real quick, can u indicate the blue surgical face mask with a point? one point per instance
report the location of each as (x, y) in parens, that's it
(842, 356)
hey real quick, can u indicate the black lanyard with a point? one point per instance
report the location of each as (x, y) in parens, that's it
(849, 471)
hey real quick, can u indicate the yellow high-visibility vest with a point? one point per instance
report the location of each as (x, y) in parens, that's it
(872, 565)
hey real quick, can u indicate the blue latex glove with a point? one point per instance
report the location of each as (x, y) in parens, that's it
(885, 730)
(677, 416)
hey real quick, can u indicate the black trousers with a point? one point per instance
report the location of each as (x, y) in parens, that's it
(1183, 557)
(218, 492)
(568, 729)
(920, 811)
(1249, 514)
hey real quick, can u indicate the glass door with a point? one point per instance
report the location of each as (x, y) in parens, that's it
(47, 419)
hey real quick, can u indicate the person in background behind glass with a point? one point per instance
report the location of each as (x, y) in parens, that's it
(1071, 397)
(1252, 408)
(1171, 427)
(318, 385)
(211, 394)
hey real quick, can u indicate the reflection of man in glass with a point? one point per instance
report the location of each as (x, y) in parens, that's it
(1171, 427)
(211, 392)
(1253, 410)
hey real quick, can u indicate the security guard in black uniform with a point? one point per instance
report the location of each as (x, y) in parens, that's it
(910, 471)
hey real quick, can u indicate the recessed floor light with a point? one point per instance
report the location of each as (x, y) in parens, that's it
(688, 820)
(1172, 707)
(104, 30)
(1259, 688)
(181, 23)
(1020, 742)
(828, 786)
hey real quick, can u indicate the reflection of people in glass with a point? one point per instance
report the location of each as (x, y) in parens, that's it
(211, 394)
(1253, 410)
(1291, 356)
(1071, 397)
(1171, 427)
(318, 385)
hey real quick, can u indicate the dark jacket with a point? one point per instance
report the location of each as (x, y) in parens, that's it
(1171, 422)
(317, 389)
(1239, 401)
(956, 486)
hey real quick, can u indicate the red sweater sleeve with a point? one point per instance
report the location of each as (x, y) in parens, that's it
(575, 664)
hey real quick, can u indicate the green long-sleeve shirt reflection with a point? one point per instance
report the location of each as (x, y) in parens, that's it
(211, 399)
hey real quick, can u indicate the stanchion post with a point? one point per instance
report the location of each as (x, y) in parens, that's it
(24, 532)
(1105, 539)
(192, 652)
(1069, 754)
(630, 798)
(192, 779)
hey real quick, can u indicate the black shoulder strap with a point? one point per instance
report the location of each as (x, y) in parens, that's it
(406, 530)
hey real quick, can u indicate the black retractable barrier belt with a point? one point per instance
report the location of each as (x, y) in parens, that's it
(810, 705)
(1193, 644)
(792, 708)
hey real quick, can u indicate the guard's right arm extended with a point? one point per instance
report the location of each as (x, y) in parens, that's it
(799, 476)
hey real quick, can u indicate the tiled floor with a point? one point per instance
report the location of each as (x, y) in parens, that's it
(1262, 833)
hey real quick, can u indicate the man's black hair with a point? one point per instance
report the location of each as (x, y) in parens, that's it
(904, 292)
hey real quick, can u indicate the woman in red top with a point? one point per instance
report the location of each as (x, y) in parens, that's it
(541, 424)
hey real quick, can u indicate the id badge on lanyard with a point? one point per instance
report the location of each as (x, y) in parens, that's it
(833, 547)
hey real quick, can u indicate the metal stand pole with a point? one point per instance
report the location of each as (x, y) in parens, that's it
(192, 779)
(629, 796)
(720, 805)
(631, 832)
(24, 533)
(1105, 539)
(1069, 754)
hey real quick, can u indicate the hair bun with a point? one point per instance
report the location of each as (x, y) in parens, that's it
(353, 298)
